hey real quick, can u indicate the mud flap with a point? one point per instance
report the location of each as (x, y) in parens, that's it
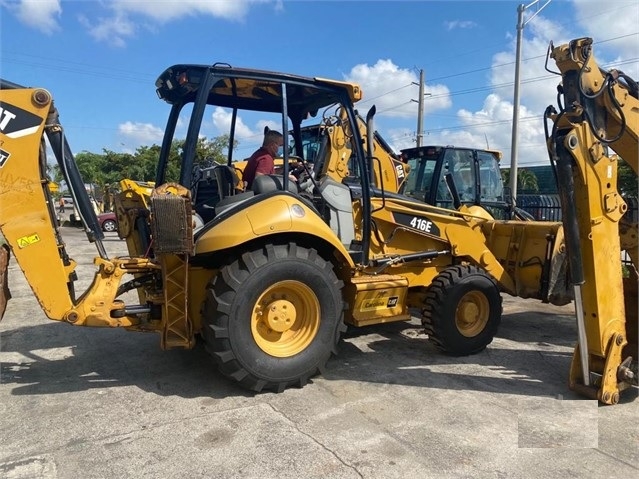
(5, 294)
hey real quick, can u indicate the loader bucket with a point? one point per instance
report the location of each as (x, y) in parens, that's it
(5, 295)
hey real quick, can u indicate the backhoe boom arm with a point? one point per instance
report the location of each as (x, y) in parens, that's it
(600, 110)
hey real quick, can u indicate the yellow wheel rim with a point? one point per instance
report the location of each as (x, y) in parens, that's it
(472, 314)
(285, 319)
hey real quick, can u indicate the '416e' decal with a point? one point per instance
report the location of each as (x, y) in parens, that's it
(419, 223)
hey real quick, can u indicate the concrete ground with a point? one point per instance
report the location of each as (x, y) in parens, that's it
(95, 403)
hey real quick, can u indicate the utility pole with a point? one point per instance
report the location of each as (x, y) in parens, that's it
(420, 113)
(515, 130)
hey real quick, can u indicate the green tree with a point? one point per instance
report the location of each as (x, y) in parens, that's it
(110, 167)
(207, 153)
(626, 180)
(526, 180)
(147, 159)
(210, 152)
(89, 166)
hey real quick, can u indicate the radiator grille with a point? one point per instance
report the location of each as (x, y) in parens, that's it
(171, 224)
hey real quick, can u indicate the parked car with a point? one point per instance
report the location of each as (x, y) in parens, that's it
(108, 221)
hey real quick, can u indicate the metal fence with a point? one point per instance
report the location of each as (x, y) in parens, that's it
(541, 207)
(548, 208)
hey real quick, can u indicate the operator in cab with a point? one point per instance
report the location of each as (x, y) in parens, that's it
(262, 161)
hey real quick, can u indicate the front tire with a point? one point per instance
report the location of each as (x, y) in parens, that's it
(462, 310)
(273, 317)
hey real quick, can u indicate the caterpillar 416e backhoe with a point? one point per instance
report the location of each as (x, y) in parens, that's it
(269, 277)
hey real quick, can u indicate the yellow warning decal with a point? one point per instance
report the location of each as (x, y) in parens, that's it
(28, 240)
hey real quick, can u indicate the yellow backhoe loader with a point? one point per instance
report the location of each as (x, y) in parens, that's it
(269, 277)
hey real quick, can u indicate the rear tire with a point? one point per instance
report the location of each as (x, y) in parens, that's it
(273, 317)
(462, 310)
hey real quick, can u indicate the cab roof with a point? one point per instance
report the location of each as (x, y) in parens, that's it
(249, 89)
(424, 150)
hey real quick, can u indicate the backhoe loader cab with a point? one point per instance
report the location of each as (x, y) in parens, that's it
(312, 145)
(473, 175)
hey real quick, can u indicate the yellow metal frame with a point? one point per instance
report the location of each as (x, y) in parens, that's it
(600, 209)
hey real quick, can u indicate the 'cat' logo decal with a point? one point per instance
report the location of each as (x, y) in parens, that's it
(4, 156)
(16, 122)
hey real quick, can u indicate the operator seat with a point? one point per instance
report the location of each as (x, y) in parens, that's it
(227, 180)
(216, 192)
(268, 183)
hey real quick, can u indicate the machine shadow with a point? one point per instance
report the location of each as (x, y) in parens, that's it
(530, 356)
(57, 358)
(396, 359)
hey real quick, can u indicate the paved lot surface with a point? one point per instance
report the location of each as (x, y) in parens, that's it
(94, 403)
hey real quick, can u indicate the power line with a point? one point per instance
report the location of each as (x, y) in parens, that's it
(387, 93)
(139, 77)
(509, 84)
(471, 126)
(83, 69)
(559, 23)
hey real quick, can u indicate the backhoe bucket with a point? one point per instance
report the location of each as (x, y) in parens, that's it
(5, 294)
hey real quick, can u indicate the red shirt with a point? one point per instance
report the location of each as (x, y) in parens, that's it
(260, 162)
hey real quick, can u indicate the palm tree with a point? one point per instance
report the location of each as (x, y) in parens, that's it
(527, 181)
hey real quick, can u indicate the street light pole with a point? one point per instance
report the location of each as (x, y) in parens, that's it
(515, 129)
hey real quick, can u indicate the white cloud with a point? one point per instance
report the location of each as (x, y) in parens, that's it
(491, 125)
(272, 125)
(615, 22)
(459, 24)
(170, 10)
(114, 30)
(393, 89)
(399, 138)
(222, 121)
(39, 14)
(137, 134)
(126, 17)
(122, 19)
(538, 87)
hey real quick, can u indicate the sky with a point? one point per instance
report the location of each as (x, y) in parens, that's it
(100, 60)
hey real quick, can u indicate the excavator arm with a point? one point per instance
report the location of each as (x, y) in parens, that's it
(598, 111)
(28, 219)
